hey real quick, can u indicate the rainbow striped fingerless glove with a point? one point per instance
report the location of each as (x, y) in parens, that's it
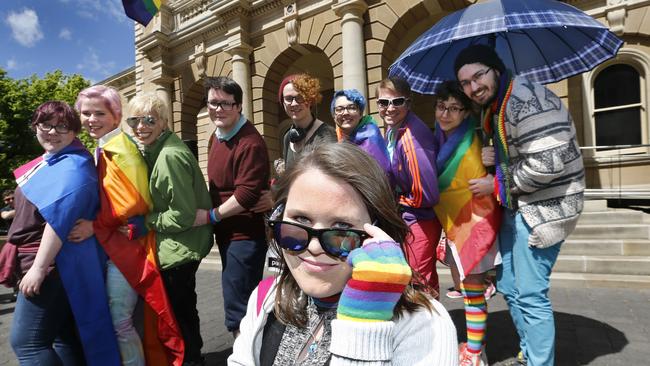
(380, 274)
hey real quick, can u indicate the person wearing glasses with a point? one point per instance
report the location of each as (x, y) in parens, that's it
(298, 94)
(540, 182)
(345, 293)
(351, 125)
(470, 218)
(62, 313)
(124, 200)
(412, 155)
(178, 191)
(238, 173)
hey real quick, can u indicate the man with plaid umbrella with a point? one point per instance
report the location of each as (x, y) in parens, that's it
(539, 181)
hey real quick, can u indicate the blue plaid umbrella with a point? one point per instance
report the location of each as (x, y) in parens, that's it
(545, 40)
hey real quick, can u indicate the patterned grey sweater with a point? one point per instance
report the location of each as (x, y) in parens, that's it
(545, 162)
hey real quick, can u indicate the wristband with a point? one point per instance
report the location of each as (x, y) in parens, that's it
(214, 217)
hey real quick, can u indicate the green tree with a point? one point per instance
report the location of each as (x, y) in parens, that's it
(18, 100)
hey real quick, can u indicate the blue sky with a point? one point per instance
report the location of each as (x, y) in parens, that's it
(93, 38)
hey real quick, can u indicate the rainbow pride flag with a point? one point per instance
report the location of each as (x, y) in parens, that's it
(142, 11)
(124, 193)
(471, 223)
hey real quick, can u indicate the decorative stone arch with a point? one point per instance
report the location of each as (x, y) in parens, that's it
(191, 121)
(635, 58)
(393, 26)
(303, 58)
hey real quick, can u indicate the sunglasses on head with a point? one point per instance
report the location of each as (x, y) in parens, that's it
(335, 242)
(133, 122)
(396, 102)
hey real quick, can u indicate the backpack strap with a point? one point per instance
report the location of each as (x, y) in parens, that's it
(262, 290)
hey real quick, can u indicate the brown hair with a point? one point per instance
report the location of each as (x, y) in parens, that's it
(57, 109)
(397, 85)
(346, 162)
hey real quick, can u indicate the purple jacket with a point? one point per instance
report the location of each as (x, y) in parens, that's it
(368, 137)
(413, 169)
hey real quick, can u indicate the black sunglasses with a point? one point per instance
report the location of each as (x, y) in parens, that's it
(134, 121)
(335, 242)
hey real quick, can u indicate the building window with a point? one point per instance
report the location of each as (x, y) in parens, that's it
(618, 107)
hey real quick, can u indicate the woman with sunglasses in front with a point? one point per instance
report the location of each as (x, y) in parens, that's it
(344, 295)
(177, 190)
(469, 215)
(62, 311)
(351, 125)
(412, 156)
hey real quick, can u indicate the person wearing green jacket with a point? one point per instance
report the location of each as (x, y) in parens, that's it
(178, 192)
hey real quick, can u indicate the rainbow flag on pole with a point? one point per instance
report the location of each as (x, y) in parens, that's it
(142, 11)
(470, 222)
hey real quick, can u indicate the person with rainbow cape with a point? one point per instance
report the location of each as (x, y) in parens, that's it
(470, 217)
(62, 283)
(132, 268)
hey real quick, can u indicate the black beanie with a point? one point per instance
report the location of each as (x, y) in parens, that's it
(479, 53)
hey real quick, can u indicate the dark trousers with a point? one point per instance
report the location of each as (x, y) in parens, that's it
(180, 283)
(243, 265)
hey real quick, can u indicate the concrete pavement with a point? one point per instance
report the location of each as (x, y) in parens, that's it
(599, 327)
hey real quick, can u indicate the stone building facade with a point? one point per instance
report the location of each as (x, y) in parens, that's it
(351, 44)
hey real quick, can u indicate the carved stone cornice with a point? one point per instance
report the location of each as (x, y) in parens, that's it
(266, 6)
(151, 41)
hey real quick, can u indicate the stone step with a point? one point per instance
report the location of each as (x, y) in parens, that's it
(624, 265)
(572, 280)
(606, 246)
(594, 280)
(615, 231)
(611, 217)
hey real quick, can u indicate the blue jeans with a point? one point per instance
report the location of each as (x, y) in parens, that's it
(523, 279)
(43, 329)
(122, 299)
(243, 265)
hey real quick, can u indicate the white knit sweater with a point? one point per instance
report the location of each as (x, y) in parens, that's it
(546, 164)
(421, 338)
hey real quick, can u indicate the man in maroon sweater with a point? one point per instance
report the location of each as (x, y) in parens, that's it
(238, 171)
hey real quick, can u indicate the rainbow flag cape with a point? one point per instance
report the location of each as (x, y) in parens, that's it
(142, 11)
(63, 186)
(124, 192)
(471, 223)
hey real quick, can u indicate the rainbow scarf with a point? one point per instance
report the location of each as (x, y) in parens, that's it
(142, 11)
(497, 129)
(124, 193)
(63, 186)
(470, 222)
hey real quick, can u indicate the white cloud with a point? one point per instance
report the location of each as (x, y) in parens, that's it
(66, 34)
(12, 64)
(93, 9)
(24, 27)
(92, 64)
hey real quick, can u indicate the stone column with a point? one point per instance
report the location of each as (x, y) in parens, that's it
(354, 48)
(163, 88)
(241, 73)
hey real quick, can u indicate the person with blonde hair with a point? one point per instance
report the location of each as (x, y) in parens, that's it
(298, 94)
(178, 191)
